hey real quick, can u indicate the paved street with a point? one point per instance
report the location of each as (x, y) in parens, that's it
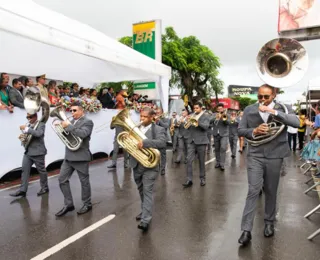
(197, 223)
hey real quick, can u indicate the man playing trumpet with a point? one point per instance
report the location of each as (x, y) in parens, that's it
(221, 134)
(35, 154)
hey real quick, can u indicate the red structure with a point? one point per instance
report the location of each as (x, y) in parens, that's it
(227, 102)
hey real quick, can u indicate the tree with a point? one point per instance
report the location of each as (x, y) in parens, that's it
(244, 101)
(193, 65)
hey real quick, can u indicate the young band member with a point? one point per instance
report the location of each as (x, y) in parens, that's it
(233, 133)
(163, 122)
(77, 160)
(183, 138)
(197, 142)
(146, 177)
(35, 154)
(221, 134)
(264, 161)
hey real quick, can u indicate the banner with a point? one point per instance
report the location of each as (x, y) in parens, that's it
(242, 91)
(147, 40)
(298, 14)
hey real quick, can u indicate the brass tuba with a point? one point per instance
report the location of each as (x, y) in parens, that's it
(71, 141)
(33, 101)
(193, 120)
(128, 140)
(281, 63)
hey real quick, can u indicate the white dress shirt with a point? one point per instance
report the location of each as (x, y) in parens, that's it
(265, 115)
(144, 129)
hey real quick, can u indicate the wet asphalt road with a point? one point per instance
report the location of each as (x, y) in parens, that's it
(194, 223)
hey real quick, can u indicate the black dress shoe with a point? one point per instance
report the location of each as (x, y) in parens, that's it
(233, 156)
(187, 184)
(202, 182)
(84, 209)
(18, 194)
(268, 230)
(217, 165)
(112, 166)
(185, 161)
(64, 211)
(138, 217)
(143, 226)
(221, 168)
(43, 191)
(177, 161)
(245, 238)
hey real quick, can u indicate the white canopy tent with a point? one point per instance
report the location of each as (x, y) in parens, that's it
(36, 40)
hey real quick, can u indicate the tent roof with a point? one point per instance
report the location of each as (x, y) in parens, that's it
(48, 42)
(314, 89)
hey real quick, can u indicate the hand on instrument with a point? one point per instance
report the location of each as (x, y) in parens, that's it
(140, 145)
(218, 116)
(266, 109)
(261, 129)
(10, 109)
(22, 127)
(65, 124)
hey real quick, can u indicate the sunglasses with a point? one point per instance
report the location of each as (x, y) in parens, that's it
(29, 117)
(263, 96)
(73, 110)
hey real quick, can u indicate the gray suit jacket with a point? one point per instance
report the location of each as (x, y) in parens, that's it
(233, 127)
(164, 122)
(278, 147)
(82, 129)
(158, 141)
(185, 133)
(199, 135)
(37, 146)
(16, 97)
(220, 127)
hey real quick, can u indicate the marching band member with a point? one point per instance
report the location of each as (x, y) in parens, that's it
(264, 161)
(77, 160)
(221, 134)
(163, 122)
(35, 154)
(233, 133)
(182, 138)
(197, 142)
(146, 177)
(175, 132)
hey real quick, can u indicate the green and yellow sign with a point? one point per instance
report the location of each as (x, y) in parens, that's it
(147, 40)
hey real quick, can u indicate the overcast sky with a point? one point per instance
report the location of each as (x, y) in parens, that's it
(233, 30)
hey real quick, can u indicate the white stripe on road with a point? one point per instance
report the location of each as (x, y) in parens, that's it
(213, 159)
(73, 238)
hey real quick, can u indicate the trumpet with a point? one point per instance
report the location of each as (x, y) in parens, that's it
(156, 118)
(225, 115)
(193, 120)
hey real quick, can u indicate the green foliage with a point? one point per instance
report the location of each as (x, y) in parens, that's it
(244, 101)
(194, 66)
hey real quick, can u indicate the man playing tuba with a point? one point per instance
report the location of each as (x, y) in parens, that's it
(35, 154)
(146, 177)
(77, 160)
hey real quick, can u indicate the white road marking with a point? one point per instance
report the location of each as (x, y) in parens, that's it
(213, 159)
(73, 238)
(18, 185)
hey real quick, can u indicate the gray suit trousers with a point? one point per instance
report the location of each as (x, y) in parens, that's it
(174, 140)
(209, 144)
(261, 172)
(145, 179)
(220, 146)
(163, 159)
(233, 140)
(67, 168)
(201, 151)
(183, 148)
(116, 151)
(27, 163)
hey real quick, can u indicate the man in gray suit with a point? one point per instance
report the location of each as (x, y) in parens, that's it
(163, 122)
(233, 133)
(35, 154)
(221, 135)
(174, 122)
(183, 137)
(197, 142)
(146, 177)
(77, 160)
(15, 94)
(264, 161)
